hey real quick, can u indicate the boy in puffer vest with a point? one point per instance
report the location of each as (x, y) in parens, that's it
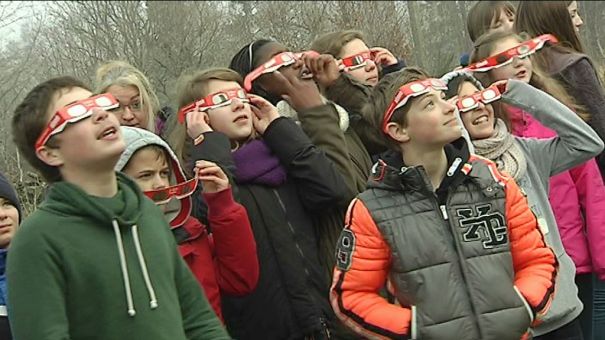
(452, 237)
(96, 260)
(224, 261)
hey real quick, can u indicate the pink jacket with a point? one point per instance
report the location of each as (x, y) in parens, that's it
(577, 197)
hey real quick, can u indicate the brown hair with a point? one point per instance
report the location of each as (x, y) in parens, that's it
(382, 95)
(483, 13)
(192, 88)
(542, 17)
(31, 117)
(160, 153)
(333, 42)
(483, 49)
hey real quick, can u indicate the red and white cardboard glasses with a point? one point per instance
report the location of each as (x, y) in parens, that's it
(356, 61)
(214, 100)
(469, 103)
(411, 90)
(178, 191)
(522, 50)
(274, 64)
(75, 112)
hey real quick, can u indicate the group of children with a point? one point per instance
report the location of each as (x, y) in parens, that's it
(332, 193)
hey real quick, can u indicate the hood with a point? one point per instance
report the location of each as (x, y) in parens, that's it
(136, 139)
(391, 173)
(61, 196)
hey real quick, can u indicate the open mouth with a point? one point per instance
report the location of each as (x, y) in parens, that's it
(240, 118)
(521, 74)
(480, 120)
(110, 132)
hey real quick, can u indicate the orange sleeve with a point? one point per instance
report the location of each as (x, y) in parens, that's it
(534, 262)
(362, 267)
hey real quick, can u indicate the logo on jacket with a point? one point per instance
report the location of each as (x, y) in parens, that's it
(484, 225)
(344, 249)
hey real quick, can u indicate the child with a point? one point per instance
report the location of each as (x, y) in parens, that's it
(531, 162)
(223, 262)
(138, 102)
(10, 217)
(576, 196)
(282, 179)
(454, 238)
(326, 124)
(485, 17)
(96, 260)
(566, 61)
(356, 58)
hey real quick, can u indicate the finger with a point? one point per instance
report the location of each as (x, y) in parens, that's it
(282, 80)
(211, 169)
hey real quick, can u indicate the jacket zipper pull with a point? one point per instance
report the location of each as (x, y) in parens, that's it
(443, 212)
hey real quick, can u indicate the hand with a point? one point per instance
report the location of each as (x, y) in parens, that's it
(213, 178)
(383, 57)
(264, 113)
(197, 123)
(502, 85)
(300, 93)
(325, 69)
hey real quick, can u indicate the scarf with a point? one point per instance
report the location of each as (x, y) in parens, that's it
(502, 150)
(285, 110)
(255, 163)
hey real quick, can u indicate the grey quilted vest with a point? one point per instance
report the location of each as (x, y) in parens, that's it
(451, 263)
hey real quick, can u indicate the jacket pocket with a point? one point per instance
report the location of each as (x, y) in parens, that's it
(530, 312)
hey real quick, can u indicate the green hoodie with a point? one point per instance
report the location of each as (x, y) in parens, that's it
(76, 271)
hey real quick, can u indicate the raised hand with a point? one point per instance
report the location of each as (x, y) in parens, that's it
(300, 93)
(383, 57)
(212, 177)
(197, 123)
(263, 113)
(325, 69)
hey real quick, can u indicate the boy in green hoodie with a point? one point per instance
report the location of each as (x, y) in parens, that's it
(96, 260)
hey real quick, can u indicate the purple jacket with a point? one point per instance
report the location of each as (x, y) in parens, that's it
(577, 197)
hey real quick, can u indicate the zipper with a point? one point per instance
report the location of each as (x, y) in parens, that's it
(291, 228)
(458, 247)
(322, 321)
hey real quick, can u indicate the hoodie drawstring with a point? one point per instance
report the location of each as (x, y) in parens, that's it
(153, 303)
(116, 230)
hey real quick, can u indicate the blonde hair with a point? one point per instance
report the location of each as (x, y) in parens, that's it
(121, 73)
(192, 87)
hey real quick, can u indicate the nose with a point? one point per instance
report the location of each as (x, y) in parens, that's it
(236, 104)
(99, 115)
(370, 65)
(449, 108)
(580, 21)
(158, 182)
(127, 114)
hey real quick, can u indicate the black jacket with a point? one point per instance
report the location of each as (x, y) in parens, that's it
(291, 299)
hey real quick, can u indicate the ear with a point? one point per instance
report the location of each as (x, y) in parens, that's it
(397, 132)
(50, 156)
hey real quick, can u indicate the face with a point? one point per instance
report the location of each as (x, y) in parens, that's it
(479, 122)
(502, 23)
(366, 75)
(520, 69)
(575, 15)
(149, 169)
(235, 119)
(130, 112)
(9, 221)
(267, 81)
(431, 122)
(91, 143)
